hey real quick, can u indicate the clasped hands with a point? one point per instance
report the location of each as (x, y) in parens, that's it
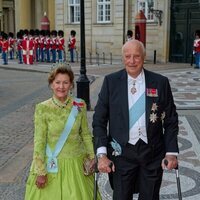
(105, 165)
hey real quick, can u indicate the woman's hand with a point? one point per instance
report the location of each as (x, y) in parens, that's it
(41, 181)
(92, 164)
(89, 166)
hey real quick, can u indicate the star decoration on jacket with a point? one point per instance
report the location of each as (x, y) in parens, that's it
(154, 107)
(153, 117)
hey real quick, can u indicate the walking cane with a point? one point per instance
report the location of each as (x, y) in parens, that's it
(96, 175)
(177, 180)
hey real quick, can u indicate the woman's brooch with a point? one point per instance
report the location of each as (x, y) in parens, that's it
(78, 105)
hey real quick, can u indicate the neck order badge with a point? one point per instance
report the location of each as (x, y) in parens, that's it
(133, 89)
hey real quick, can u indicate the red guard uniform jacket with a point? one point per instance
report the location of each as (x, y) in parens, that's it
(72, 43)
(61, 43)
(54, 43)
(197, 45)
(5, 45)
(28, 46)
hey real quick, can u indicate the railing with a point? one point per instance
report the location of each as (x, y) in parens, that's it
(97, 58)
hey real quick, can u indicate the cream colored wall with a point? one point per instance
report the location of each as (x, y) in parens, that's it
(109, 37)
(38, 13)
(59, 14)
(7, 16)
(106, 38)
(22, 14)
(1, 16)
(51, 13)
(28, 17)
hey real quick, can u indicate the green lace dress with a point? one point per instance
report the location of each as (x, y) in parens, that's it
(69, 183)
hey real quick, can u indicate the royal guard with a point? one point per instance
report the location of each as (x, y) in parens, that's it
(197, 49)
(5, 48)
(11, 45)
(1, 39)
(53, 45)
(19, 47)
(72, 44)
(36, 45)
(31, 46)
(28, 45)
(47, 45)
(31, 34)
(42, 45)
(61, 46)
(25, 34)
(25, 37)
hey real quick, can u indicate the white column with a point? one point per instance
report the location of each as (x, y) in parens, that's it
(39, 13)
(11, 19)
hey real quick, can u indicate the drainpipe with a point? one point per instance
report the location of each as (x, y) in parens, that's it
(124, 21)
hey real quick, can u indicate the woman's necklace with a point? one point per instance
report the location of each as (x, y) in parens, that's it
(59, 105)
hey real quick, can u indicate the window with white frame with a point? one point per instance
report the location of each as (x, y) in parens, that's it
(143, 5)
(103, 11)
(74, 11)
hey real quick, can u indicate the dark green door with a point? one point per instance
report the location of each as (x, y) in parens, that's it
(185, 19)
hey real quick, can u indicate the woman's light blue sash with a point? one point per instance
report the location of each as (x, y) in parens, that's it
(52, 163)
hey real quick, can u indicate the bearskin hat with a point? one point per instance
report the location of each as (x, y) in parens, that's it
(60, 33)
(73, 32)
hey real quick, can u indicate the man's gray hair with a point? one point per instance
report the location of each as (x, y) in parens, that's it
(134, 42)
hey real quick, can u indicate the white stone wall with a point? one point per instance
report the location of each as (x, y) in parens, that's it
(108, 38)
(59, 14)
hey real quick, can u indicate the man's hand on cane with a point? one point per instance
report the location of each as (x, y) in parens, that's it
(105, 165)
(169, 162)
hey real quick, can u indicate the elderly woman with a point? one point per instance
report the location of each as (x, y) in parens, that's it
(62, 141)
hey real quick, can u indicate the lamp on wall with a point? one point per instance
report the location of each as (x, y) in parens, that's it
(156, 12)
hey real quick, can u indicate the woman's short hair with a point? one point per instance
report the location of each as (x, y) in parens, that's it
(61, 69)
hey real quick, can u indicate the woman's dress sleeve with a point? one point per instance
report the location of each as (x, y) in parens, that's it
(40, 138)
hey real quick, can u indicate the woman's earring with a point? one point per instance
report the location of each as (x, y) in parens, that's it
(71, 92)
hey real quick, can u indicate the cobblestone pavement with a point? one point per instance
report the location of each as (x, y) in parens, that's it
(16, 133)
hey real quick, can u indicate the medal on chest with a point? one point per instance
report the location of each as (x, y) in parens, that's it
(133, 89)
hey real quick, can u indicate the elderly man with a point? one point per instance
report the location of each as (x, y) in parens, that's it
(137, 107)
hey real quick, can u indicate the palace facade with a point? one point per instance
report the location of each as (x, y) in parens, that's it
(170, 24)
